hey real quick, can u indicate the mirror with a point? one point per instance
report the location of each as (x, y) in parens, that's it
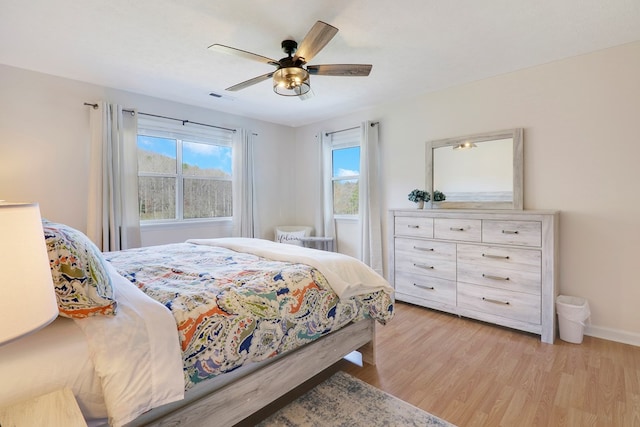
(482, 171)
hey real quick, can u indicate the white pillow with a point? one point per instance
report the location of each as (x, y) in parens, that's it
(290, 237)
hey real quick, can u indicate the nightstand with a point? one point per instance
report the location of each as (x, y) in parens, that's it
(56, 409)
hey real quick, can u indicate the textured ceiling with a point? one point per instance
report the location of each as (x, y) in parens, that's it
(159, 47)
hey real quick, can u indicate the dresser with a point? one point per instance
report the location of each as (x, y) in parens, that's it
(498, 266)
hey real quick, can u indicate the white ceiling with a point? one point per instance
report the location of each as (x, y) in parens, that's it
(159, 47)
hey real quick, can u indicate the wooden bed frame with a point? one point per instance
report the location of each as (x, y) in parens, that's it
(235, 401)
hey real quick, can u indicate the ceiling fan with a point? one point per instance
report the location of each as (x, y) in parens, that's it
(290, 77)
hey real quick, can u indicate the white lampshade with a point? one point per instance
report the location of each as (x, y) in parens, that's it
(27, 298)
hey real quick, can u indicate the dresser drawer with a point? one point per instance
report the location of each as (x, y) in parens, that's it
(468, 230)
(512, 305)
(419, 249)
(428, 288)
(431, 268)
(433, 259)
(501, 278)
(414, 226)
(500, 257)
(524, 233)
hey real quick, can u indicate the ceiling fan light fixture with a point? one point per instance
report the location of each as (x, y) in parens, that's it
(464, 146)
(291, 81)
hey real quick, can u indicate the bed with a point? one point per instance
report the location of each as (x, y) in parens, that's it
(196, 333)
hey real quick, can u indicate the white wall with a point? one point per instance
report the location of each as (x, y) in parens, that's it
(581, 120)
(44, 157)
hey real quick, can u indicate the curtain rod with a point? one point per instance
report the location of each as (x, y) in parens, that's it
(344, 130)
(95, 107)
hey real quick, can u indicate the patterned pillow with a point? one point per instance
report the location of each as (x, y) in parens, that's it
(83, 286)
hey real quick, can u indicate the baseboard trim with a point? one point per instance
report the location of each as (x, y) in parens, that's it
(617, 335)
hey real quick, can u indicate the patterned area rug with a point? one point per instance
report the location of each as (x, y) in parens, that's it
(345, 401)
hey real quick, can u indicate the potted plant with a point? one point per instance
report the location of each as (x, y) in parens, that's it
(438, 196)
(419, 197)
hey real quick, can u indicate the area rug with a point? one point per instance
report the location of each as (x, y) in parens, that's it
(343, 401)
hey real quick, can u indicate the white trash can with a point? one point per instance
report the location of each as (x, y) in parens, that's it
(572, 314)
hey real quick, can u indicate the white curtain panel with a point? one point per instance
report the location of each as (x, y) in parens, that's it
(328, 221)
(369, 203)
(244, 203)
(113, 221)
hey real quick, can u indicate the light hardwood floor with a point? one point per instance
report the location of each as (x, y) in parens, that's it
(475, 374)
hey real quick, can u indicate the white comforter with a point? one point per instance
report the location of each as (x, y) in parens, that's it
(346, 275)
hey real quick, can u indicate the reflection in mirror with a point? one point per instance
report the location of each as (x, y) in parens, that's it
(482, 171)
(475, 172)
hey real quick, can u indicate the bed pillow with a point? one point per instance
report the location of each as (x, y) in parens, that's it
(290, 237)
(83, 287)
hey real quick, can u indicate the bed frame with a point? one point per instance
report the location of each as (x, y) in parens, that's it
(235, 401)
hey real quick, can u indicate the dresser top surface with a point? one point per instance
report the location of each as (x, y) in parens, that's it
(476, 213)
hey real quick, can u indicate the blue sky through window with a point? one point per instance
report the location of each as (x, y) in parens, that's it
(346, 161)
(164, 146)
(205, 156)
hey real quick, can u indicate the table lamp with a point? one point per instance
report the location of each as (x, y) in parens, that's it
(27, 297)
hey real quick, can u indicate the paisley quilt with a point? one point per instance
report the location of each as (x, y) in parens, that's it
(233, 307)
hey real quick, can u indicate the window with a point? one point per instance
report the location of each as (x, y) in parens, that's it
(183, 173)
(345, 171)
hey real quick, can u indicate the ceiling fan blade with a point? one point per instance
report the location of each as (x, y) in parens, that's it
(317, 38)
(346, 70)
(250, 82)
(243, 54)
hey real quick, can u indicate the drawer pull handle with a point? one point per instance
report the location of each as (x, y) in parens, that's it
(418, 248)
(495, 301)
(489, 276)
(456, 228)
(413, 226)
(509, 231)
(431, 288)
(496, 256)
(426, 267)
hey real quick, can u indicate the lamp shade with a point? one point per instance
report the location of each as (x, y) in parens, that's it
(27, 297)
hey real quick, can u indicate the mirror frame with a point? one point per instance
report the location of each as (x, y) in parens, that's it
(518, 169)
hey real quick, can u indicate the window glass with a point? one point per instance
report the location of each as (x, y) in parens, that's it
(345, 176)
(156, 154)
(205, 198)
(206, 160)
(346, 161)
(345, 197)
(183, 175)
(157, 197)
(345, 173)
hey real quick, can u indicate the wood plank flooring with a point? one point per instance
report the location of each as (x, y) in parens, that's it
(474, 374)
